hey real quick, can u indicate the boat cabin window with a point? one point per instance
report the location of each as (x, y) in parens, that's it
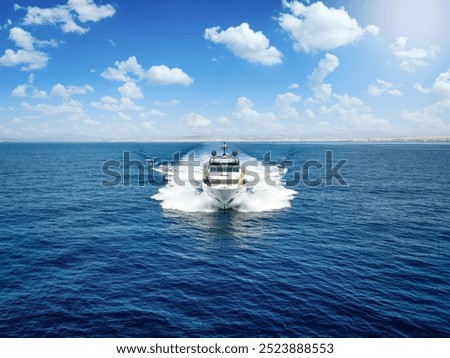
(224, 168)
(224, 161)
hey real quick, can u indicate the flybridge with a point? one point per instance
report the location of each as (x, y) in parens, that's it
(224, 159)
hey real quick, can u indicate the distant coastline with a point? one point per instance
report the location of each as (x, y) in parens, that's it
(194, 139)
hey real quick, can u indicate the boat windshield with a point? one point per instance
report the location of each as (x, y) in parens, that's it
(223, 168)
(224, 161)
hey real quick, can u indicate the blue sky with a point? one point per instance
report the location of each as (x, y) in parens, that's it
(144, 70)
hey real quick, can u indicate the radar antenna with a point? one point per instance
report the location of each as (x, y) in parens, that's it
(224, 147)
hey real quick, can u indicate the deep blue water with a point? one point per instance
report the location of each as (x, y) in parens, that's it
(371, 259)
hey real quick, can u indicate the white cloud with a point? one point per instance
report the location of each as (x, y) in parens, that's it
(108, 103)
(412, 58)
(70, 107)
(294, 86)
(223, 121)
(20, 90)
(432, 120)
(87, 10)
(163, 75)
(123, 116)
(373, 30)
(328, 64)
(152, 113)
(28, 89)
(418, 87)
(6, 25)
(155, 113)
(284, 104)
(31, 60)
(354, 117)
(245, 43)
(67, 15)
(316, 27)
(52, 16)
(148, 125)
(383, 87)
(247, 113)
(124, 71)
(66, 92)
(22, 38)
(197, 121)
(130, 90)
(131, 71)
(26, 41)
(27, 56)
(172, 102)
(440, 87)
(441, 84)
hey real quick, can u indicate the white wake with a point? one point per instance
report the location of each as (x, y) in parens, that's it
(262, 195)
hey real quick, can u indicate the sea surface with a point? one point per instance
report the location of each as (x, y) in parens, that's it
(367, 259)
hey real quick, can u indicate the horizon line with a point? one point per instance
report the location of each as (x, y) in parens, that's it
(441, 139)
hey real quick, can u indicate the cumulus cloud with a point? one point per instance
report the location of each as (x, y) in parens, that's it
(66, 16)
(124, 71)
(245, 43)
(66, 92)
(383, 87)
(123, 116)
(317, 27)
(148, 125)
(440, 86)
(412, 58)
(224, 121)
(31, 60)
(20, 91)
(22, 38)
(131, 70)
(197, 121)
(27, 56)
(130, 90)
(248, 113)
(152, 113)
(284, 104)
(433, 119)
(69, 107)
(373, 30)
(172, 102)
(109, 103)
(28, 89)
(6, 25)
(328, 64)
(163, 75)
(354, 117)
(418, 87)
(87, 10)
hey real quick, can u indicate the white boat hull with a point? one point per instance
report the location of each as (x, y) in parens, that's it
(223, 196)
